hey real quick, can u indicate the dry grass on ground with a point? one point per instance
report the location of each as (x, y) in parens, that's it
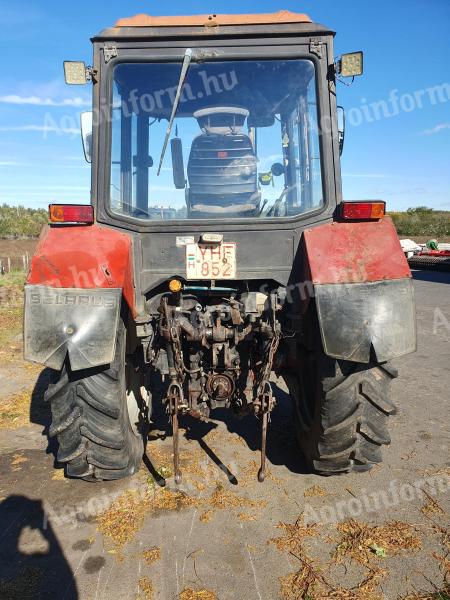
(15, 279)
(294, 535)
(15, 411)
(360, 541)
(191, 594)
(315, 490)
(152, 555)
(439, 595)
(308, 583)
(11, 319)
(146, 587)
(126, 514)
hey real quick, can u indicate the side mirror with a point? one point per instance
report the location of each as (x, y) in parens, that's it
(350, 65)
(177, 163)
(86, 134)
(277, 169)
(341, 127)
(75, 72)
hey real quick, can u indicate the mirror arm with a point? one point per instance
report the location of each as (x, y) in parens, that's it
(337, 66)
(91, 75)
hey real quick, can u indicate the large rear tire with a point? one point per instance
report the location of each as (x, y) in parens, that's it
(340, 408)
(98, 417)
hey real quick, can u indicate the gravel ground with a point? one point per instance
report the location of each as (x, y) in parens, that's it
(210, 538)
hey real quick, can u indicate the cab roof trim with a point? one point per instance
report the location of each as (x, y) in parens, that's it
(147, 33)
(213, 20)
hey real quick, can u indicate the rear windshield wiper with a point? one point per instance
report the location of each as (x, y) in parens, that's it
(184, 69)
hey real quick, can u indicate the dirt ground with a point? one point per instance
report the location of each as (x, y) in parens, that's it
(13, 254)
(221, 534)
(15, 248)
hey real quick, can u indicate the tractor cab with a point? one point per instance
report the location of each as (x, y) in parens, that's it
(246, 103)
(260, 153)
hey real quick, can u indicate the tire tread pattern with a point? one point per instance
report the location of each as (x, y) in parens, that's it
(349, 426)
(90, 421)
(354, 422)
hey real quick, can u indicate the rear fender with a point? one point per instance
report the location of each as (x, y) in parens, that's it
(362, 286)
(73, 295)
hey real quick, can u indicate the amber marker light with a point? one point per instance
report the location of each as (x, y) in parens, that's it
(175, 285)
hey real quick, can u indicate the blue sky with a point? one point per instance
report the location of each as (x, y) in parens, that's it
(398, 151)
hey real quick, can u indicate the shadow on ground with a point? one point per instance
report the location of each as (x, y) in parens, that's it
(281, 445)
(32, 563)
(40, 411)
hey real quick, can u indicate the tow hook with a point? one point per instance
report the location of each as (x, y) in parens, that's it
(266, 404)
(175, 405)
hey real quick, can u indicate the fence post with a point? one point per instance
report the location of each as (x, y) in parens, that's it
(9, 264)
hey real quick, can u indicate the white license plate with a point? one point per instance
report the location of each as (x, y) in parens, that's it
(211, 261)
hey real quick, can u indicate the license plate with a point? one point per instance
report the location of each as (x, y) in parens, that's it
(211, 261)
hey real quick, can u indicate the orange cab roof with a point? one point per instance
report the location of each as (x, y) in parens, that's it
(213, 20)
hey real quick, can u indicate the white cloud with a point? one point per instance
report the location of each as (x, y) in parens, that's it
(437, 129)
(11, 163)
(76, 101)
(43, 162)
(42, 128)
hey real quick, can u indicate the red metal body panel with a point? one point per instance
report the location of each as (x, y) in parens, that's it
(84, 257)
(354, 252)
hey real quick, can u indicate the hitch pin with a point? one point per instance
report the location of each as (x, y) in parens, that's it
(262, 469)
(174, 395)
(266, 407)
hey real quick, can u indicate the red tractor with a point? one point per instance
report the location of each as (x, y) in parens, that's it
(215, 275)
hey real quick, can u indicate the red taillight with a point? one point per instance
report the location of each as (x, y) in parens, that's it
(360, 211)
(71, 213)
